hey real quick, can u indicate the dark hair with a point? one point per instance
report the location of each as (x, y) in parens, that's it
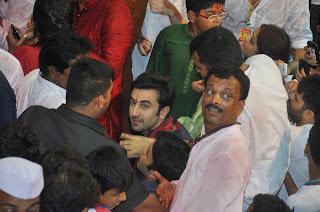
(160, 83)
(226, 73)
(111, 169)
(60, 49)
(217, 47)
(59, 154)
(314, 143)
(50, 17)
(170, 155)
(17, 140)
(309, 88)
(269, 203)
(274, 42)
(197, 5)
(88, 79)
(68, 188)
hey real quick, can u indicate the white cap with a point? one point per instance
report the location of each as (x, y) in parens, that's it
(20, 177)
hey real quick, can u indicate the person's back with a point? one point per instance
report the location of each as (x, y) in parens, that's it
(306, 198)
(264, 122)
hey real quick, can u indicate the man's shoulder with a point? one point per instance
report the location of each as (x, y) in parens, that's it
(182, 132)
(172, 30)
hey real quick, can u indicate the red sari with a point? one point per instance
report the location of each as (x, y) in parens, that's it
(108, 24)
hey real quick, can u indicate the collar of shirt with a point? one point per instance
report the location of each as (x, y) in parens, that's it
(83, 119)
(51, 87)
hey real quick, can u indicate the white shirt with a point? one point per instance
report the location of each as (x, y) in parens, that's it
(291, 15)
(11, 68)
(298, 169)
(264, 122)
(216, 174)
(35, 90)
(306, 199)
(152, 25)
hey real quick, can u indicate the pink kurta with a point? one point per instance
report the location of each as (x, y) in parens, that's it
(216, 175)
(108, 24)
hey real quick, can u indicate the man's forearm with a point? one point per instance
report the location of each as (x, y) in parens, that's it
(151, 204)
(174, 15)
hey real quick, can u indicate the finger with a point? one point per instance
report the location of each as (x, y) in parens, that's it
(303, 74)
(125, 136)
(158, 176)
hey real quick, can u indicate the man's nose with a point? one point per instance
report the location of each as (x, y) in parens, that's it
(216, 99)
(123, 196)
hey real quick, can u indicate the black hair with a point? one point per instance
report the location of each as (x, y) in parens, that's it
(59, 154)
(197, 5)
(274, 42)
(309, 88)
(170, 155)
(88, 79)
(159, 83)
(314, 143)
(60, 49)
(269, 203)
(50, 17)
(68, 188)
(111, 169)
(17, 140)
(226, 73)
(217, 47)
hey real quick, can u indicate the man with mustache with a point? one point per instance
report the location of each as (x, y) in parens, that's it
(152, 98)
(218, 168)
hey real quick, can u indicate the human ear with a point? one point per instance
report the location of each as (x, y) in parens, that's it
(308, 115)
(191, 16)
(53, 73)
(164, 112)
(241, 106)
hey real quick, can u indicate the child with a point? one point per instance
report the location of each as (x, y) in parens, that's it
(114, 175)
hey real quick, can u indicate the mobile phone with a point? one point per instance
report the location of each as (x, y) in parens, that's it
(15, 33)
(305, 65)
(283, 67)
(314, 49)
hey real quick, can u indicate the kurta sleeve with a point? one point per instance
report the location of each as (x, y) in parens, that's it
(298, 24)
(157, 61)
(222, 183)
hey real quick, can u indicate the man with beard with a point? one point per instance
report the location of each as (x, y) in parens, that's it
(218, 168)
(303, 109)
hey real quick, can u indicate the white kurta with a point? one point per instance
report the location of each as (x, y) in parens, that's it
(11, 68)
(291, 15)
(216, 174)
(264, 122)
(152, 25)
(298, 169)
(306, 199)
(35, 90)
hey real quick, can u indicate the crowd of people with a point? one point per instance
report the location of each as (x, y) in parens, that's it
(159, 105)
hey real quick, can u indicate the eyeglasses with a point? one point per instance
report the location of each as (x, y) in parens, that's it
(221, 15)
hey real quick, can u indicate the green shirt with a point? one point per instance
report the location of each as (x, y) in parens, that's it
(171, 56)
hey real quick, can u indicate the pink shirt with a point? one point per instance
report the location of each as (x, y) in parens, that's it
(216, 174)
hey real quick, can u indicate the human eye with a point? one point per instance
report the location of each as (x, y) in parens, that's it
(210, 92)
(226, 96)
(145, 106)
(132, 102)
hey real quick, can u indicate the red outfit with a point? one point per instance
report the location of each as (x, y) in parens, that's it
(28, 57)
(108, 24)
